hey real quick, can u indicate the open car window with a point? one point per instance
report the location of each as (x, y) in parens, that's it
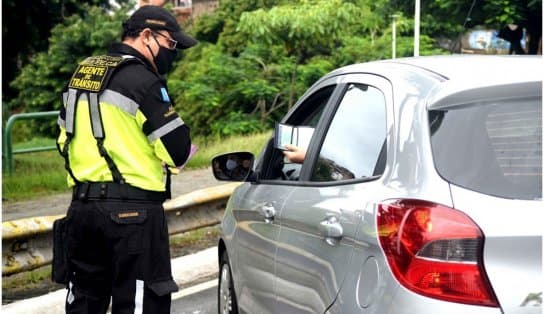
(273, 164)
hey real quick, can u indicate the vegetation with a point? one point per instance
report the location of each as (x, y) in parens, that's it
(27, 29)
(36, 174)
(248, 71)
(40, 83)
(256, 57)
(28, 284)
(448, 18)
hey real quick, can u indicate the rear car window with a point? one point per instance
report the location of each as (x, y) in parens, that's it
(493, 148)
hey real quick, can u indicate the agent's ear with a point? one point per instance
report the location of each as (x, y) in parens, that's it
(146, 36)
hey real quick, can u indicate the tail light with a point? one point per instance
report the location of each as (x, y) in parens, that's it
(434, 251)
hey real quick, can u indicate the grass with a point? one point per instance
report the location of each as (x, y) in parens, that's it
(27, 279)
(35, 174)
(42, 173)
(193, 237)
(207, 149)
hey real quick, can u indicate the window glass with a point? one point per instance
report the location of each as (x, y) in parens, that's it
(275, 166)
(310, 111)
(355, 138)
(493, 148)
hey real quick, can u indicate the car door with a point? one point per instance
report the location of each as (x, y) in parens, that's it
(259, 204)
(320, 218)
(255, 237)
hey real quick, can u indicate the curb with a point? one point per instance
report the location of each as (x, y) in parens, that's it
(185, 270)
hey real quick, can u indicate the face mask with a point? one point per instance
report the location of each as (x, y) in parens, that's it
(164, 58)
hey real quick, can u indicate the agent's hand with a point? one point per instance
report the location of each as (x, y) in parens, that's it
(294, 153)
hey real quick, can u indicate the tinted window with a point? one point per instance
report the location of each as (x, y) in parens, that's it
(494, 148)
(355, 138)
(309, 112)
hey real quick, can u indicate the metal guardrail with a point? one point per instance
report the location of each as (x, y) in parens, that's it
(28, 243)
(7, 149)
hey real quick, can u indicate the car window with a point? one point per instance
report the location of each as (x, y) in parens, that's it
(493, 148)
(355, 140)
(308, 113)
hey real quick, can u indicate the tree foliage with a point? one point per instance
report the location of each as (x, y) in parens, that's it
(27, 25)
(256, 63)
(256, 57)
(301, 28)
(40, 83)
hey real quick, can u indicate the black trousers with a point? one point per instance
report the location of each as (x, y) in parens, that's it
(118, 250)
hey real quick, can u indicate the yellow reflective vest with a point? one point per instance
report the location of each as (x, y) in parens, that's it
(136, 122)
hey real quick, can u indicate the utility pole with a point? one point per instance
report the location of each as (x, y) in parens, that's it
(394, 35)
(416, 28)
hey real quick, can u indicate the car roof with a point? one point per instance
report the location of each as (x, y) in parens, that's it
(456, 74)
(453, 67)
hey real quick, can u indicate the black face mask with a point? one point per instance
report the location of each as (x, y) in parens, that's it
(164, 58)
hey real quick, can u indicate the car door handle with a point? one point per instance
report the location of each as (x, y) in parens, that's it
(269, 212)
(331, 229)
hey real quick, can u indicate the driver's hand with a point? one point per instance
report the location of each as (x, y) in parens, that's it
(294, 153)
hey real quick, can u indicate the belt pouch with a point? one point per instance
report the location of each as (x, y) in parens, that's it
(59, 271)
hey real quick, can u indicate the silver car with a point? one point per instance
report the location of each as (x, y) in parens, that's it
(420, 192)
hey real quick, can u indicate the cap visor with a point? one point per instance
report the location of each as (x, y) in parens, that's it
(184, 41)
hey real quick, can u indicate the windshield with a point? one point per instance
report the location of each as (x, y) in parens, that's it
(493, 148)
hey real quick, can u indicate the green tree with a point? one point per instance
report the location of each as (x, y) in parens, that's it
(222, 94)
(220, 26)
(40, 83)
(255, 65)
(304, 29)
(26, 27)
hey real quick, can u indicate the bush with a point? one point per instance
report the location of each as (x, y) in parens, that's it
(237, 123)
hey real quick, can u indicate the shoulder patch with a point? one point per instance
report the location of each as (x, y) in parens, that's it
(92, 72)
(170, 112)
(164, 94)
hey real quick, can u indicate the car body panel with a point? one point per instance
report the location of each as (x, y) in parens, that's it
(254, 242)
(310, 264)
(513, 246)
(453, 94)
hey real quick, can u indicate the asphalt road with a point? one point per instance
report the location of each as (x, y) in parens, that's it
(199, 299)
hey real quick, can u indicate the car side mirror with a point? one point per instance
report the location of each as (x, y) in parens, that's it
(236, 166)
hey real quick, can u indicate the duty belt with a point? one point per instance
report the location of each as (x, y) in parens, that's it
(114, 191)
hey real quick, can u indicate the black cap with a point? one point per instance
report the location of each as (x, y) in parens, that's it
(158, 18)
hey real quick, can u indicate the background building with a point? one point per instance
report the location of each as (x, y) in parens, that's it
(185, 9)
